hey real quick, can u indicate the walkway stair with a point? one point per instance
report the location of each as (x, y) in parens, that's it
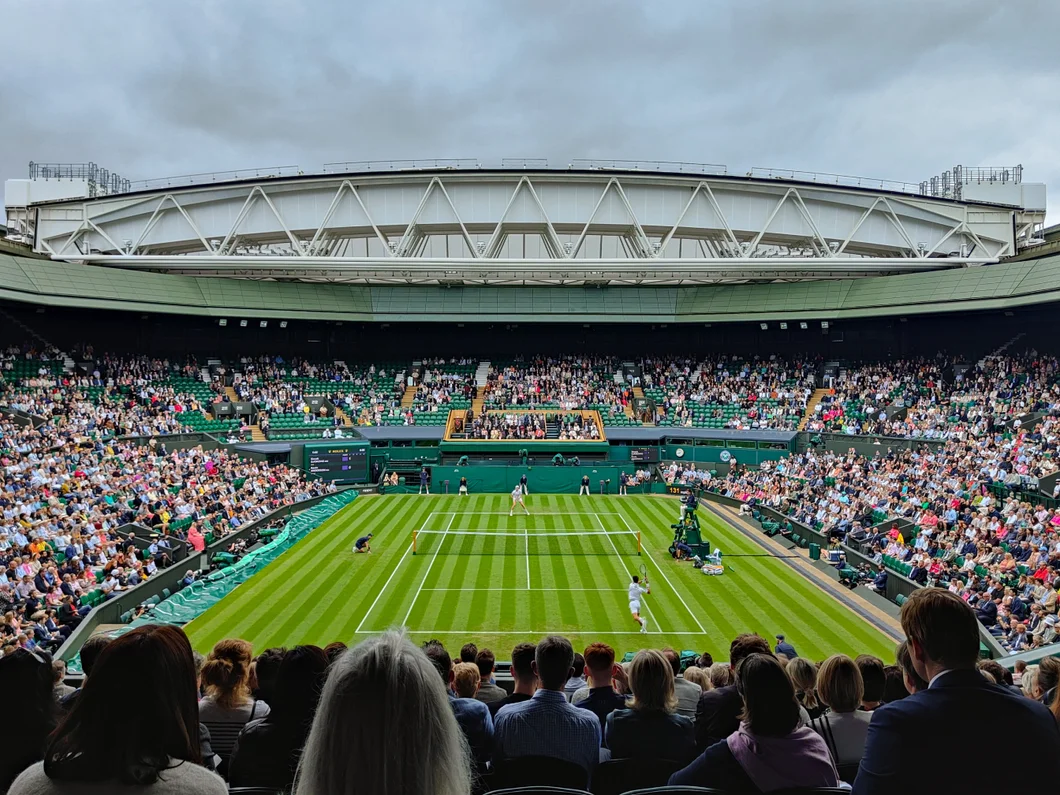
(408, 397)
(811, 404)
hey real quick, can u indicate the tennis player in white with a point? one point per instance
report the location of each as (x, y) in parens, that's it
(636, 591)
(517, 499)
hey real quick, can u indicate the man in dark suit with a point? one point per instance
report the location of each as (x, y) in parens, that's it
(718, 711)
(907, 738)
(986, 610)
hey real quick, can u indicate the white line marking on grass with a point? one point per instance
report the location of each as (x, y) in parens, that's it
(478, 632)
(663, 573)
(535, 513)
(383, 590)
(526, 540)
(426, 574)
(628, 573)
(523, 590)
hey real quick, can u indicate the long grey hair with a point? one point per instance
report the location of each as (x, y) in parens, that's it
(384, 726)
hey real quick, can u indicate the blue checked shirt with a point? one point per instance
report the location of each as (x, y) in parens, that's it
(547, 725)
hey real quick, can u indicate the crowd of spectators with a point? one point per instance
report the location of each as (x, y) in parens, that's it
(736, 392)
(563, 382)
(496, 425)
(392, 718)
(915, 398)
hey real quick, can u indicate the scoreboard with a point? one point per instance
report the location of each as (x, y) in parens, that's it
(644, 455)
(337, 461)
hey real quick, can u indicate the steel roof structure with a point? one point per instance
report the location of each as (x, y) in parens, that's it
(587, 225)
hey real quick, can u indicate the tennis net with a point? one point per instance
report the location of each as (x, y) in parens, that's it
(485, 542)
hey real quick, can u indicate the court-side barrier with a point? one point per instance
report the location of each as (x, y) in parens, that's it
(541, 479)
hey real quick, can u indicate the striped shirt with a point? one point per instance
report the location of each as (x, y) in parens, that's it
(547, 725)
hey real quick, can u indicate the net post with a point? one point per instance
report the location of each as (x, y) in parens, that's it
(413, 542)
(638, 543)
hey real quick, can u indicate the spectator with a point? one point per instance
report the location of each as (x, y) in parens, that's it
(706, 659)
(30, 714)
(547, 725)
(844, 726)
(650, 728)
(785, 648)
(268, 749)
(61, 689)
(687, 692)
(89, 654)
(769, 750)
(698, 676)
(265, 670)
(720, 676)
(334, 650)
(473, 716)
(894, 684)
(466, 680)
(577, 678)
(468, 652)
(488, 690)
(104, 746)
(873, 680)
(228, 705)
(944, 646)
(384, 727)
(600, 697)
(524, 676)
(910, 678)
(718, 711)
(803, 675)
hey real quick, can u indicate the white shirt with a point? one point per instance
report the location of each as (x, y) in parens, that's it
(636, 591)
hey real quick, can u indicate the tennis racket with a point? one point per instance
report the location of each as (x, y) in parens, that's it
(643, 572)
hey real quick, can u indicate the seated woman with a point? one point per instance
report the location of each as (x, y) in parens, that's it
(769, 751)
(650, 727)
(104, 746)
(228, 705)
(844, 727)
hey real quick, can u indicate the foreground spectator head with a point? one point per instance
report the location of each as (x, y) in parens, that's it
(523, 656)
(466, 679)
(706, 659)
(486, 663)
(721, 675)
(440, 659)
(1001, 674)
(384, 726)
(743, 646)
(468, 652)
(910, 678)
(29, 706)
(103, 740)
(839, 684)
(90, 652)
(266, 667)
(699, 676)
(298, 682)
(803, 675)
(873, 678)
(1048, 678)
(894, 686)
(942, 631)
(674, 659)
(226, 673)
(651, 680)
(552, 662)
(599, 663)
(334, 651)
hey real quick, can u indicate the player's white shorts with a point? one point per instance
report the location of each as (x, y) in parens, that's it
(517, 500)
(634, 607)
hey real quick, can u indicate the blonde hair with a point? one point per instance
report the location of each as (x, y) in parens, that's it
(721, 675)
(839, 683)
(466, 679)
(803, 675)
(651, 679)
(226, 673)
(699, 676)
(384, 726)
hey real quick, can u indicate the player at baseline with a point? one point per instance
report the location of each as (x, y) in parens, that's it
(636, 591)
(517, 499)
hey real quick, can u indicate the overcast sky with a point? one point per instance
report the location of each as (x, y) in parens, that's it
(897, 89)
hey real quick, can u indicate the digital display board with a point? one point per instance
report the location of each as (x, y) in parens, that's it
(646, 455)
(347, 462)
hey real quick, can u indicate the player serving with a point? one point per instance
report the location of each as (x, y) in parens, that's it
(517, 499)
(636, 591)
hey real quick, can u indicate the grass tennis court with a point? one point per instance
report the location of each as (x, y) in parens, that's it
(478, 575)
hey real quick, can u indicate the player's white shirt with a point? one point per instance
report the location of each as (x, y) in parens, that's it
(517, 494)
(635, 592)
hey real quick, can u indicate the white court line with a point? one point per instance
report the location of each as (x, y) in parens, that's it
(526, 540)
(535, 513)
(628, 573)
(663, 573)
(388, 579)
(405, 620)
(524, 590)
